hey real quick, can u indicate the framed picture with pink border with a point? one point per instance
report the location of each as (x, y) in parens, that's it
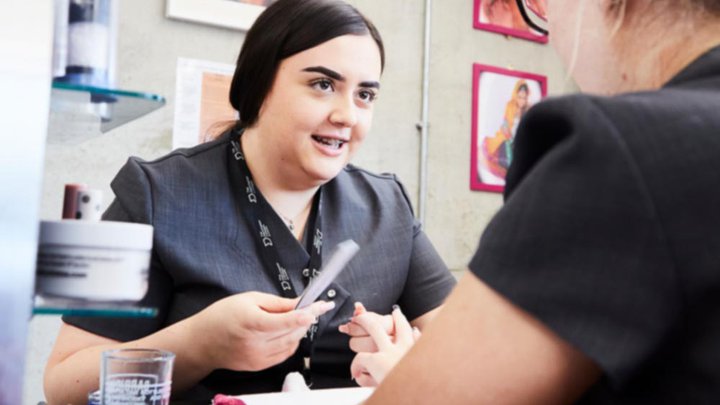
(500, 99)
(504, 17)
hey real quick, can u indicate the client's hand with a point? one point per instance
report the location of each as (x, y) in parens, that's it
(360, 340)
(253, 331)
(369, 369)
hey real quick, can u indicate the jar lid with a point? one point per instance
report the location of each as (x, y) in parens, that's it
(100, 234)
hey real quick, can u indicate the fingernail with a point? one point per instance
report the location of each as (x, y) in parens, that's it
(396, 307)
(343, 328)
(329, 305)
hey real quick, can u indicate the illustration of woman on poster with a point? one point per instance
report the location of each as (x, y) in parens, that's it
(497, 150)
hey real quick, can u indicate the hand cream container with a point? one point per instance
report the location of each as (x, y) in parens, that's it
(98, 261)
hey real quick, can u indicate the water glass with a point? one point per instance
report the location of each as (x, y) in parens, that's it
(136, 377)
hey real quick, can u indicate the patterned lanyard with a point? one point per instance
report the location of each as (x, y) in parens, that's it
(257, 211)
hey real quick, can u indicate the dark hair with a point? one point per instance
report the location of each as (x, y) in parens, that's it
(285, 28)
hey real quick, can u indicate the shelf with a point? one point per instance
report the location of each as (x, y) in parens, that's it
(79, 112)
(57, 306)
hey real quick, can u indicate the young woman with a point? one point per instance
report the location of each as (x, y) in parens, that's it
(243, 223)
(598, 281)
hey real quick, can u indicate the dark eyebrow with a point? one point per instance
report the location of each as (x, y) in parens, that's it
(337, 76)
(327, 72)
(374, 85)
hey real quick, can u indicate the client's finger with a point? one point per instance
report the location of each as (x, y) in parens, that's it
(366, 380)
(358, 365)
(355, 330)
(403, 329)
(375, 329)
(363, 345)
(359, 309)
(359, 370)
(416, 333)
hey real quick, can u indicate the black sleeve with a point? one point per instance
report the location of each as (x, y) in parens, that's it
(429, 282)
(133, 203)
(578, 243)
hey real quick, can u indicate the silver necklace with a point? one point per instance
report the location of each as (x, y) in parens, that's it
(289, 223)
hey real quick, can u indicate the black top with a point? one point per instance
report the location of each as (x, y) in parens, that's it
(204, 250)
(610, 235)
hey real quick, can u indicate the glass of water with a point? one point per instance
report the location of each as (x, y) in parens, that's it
(136, 377)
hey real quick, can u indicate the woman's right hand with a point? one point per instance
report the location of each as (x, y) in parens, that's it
(253, 331)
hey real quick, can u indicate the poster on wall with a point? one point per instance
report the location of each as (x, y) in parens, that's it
(234, 14)
(202, 105)
(500, 99)
(504, 17)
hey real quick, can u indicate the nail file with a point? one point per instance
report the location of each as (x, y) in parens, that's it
(344, 251)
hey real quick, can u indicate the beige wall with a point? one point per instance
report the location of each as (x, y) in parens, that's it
(149, 45)
(456, 216)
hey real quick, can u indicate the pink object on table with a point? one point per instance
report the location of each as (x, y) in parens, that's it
(226, 400)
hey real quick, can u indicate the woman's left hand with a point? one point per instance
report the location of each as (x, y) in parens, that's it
(369, 369)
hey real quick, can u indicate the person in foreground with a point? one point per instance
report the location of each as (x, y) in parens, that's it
(598, 282)
(243, 223)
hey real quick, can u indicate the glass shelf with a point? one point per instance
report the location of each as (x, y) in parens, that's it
(61, 306)
(79, 112)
